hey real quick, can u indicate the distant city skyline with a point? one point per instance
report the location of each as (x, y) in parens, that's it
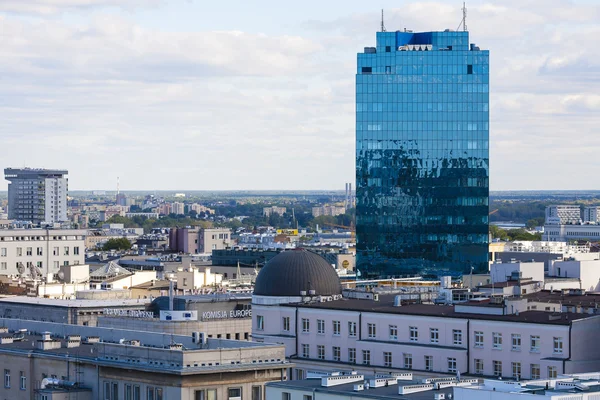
(185, 95)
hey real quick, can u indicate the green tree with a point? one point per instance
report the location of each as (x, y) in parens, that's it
(117, 244)
(532, 223)
(498, 233)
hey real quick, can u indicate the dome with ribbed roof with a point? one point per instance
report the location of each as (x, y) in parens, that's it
(293, 271)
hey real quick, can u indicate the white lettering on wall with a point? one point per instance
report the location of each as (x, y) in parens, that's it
(223, 314)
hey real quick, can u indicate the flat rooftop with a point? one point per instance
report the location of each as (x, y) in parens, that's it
(589, 299)
(83, 303)
(386, 305)
(347, 389)
(98, 353)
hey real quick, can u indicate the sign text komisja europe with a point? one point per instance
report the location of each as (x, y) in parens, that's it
(223, 314)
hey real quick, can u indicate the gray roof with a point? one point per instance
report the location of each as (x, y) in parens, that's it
(293, 271)
(347, 389)
(83, 303)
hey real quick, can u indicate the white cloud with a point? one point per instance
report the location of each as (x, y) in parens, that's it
(106, 96)
(46, 7)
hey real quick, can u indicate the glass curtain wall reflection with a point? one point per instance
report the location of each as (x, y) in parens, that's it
(422, 154)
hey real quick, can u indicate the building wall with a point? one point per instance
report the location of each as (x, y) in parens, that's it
(214, 239)
(562, 233)
(422, 176)
(587, 271)
(465, 353)
(545, 357)
(584, 358)
(56, 200)
(501, 272)
(62, 315)
(84, 371)
(235, 328)
(137, 278)
(57, 247)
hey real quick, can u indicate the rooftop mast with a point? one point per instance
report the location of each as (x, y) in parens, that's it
(464, 18)
(382, 24)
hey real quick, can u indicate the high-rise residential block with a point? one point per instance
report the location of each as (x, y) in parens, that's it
(563, 214)
(422, 153)
(37, 195)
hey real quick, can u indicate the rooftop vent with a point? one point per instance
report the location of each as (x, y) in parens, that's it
(328, 381)
(92, 339)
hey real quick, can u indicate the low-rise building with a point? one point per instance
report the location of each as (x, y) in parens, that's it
(191, 279)
(76, 312)
(298, 302)
(218, 315)
(40, 253)
(328, 210)
(199, 240)
(267, 211)
(44, 359)
(570, 232)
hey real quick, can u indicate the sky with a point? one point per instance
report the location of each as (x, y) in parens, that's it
(257, 95)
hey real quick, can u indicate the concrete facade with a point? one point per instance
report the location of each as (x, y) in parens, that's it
(419, 337)
(199, 240)
(562, 233)
(120, 363)
(37, 195)
(40, 251)
(76, 312)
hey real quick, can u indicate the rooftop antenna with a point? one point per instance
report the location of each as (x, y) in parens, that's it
(382, 25)
(464, 18)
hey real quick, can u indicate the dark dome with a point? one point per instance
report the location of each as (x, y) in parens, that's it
(292, 271)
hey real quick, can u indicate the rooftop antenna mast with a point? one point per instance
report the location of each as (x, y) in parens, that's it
(464, 18)
(382, 24)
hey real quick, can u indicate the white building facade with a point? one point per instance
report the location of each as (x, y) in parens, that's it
(563, 214)
(40, 252)
(37, 195)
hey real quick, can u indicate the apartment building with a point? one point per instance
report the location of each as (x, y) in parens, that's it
(37, 195)
(40, 252)
(199, 240)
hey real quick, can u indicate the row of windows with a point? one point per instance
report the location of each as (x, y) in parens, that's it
(39, 251)
(22, 380)
(406, 128)
(435, 88)
(534, 342)
(38, 264)
(371, 330)
(233, 393)
(516, 369)
(431, 148)
(387, 95)
(391, 80)
(422, 106)
(435, 58)
(407, 362)
(413, 334)
(414, 127)
(38, 238)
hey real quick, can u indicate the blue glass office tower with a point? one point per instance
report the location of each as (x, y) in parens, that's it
(422, 152)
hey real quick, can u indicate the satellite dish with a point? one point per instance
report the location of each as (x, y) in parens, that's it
(20, 268)
(61, 275)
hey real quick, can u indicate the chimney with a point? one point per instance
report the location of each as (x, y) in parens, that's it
(170, 295)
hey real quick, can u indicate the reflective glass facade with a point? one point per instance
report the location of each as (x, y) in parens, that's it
(422, 152)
